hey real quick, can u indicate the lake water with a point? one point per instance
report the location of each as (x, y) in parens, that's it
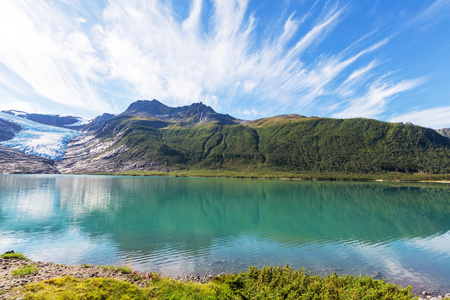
(200, 226)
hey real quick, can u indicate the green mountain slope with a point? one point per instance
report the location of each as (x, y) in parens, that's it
(283, 143)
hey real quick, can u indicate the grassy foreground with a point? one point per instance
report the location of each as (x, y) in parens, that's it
(266, 283)
(14, 255)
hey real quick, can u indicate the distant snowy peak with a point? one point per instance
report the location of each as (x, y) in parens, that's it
(48, 119)
(38, 139)
(14, 112)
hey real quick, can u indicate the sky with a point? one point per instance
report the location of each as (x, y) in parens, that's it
(382, 59)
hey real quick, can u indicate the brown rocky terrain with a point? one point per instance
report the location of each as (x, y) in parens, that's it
(15, 162)
(87, 154)
(47, 270)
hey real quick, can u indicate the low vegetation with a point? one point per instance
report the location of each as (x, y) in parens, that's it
(317, 148)
(266, 283)
(73, 288)
(394, 176)
(24, 270)
(11, 255)
(284, 283)
(123, 269)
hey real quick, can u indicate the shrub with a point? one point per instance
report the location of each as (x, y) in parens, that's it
(24, 270)
(14, 255)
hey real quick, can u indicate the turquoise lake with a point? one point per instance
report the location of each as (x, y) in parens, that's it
(202, 226)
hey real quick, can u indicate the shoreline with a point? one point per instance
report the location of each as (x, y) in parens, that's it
(288, 176)
(11, 285)
(267, 175)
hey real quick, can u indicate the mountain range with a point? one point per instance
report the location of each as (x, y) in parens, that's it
(70, 122)
(149, 135)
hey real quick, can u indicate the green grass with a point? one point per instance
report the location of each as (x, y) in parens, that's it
(14, 255)
(265, 283)
(73, 288)
(287, 175)
(24, 270)
(123, 269)
(284, 283)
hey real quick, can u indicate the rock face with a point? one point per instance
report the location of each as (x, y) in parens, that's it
(85, 154)
(8, 130)
(15, 162)
(189, 115)
(88, 154)
(96, 123)
(445, 132)
(149, 108)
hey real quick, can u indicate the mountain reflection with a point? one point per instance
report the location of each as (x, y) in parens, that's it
(146, 214)
(182, 226)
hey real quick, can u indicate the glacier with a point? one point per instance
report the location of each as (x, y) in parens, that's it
(39, 139)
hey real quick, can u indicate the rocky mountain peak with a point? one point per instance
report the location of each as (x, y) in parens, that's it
(189, 114)
(147, 107)
(445, 132)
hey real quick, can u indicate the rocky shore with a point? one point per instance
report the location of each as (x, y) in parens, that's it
(433, 296)
(46, 270)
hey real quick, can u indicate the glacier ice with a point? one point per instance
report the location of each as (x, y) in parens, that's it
(39, 139)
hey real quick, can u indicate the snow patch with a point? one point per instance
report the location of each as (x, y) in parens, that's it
(39, 139)
(81, 121)
(16, 112)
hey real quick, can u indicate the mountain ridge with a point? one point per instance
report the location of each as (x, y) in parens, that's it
(8, 130)
(150, 135)
(70, 122)
(151, 141)
(188, 114)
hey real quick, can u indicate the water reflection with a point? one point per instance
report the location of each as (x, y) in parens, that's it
(201, 226)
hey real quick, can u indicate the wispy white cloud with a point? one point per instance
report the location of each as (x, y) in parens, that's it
(10, 101)
(43, 47)
(436, 117)
(433, 13)
(90, 57)
(373, 103)
(177, 61)
(357, 74)
(312, 35)
(249, 112)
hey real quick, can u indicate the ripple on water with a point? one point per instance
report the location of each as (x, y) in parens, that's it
(186, 227)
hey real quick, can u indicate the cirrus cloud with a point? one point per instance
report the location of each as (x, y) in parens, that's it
(101, 56)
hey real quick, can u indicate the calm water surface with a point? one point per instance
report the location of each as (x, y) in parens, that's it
(181, 226)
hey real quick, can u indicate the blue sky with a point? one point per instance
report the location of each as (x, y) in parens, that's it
(386, 59)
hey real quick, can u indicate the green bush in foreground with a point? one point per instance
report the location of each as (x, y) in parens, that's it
(24, 270)
(123, 269)
(284, 283)
(14, 255)
(266, 283)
